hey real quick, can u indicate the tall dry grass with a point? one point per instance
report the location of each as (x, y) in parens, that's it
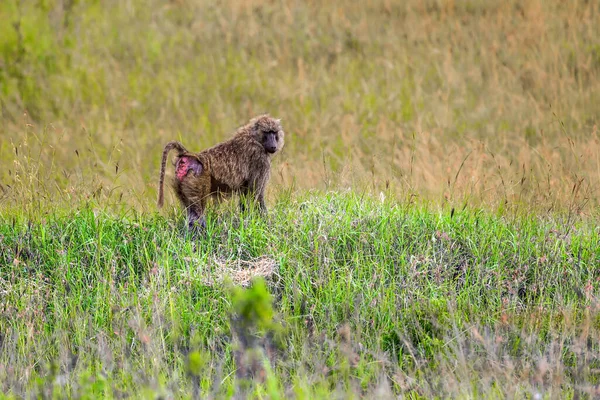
(486, 101)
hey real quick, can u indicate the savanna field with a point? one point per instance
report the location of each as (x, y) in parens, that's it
(433, 219)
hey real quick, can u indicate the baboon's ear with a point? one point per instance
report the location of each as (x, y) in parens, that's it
(186, 164)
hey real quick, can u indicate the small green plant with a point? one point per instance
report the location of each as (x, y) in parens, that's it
(253, 307)
(253, 328)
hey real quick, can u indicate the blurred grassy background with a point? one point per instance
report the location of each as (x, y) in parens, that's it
(486, 101)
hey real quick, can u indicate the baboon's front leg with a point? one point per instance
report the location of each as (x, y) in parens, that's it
(260, 187)
(260, 198)
(254, 194)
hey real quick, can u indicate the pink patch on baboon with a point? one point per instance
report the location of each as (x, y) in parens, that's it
(185, 164)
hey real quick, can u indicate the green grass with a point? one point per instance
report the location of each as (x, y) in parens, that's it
(475, 277)
(369, 297)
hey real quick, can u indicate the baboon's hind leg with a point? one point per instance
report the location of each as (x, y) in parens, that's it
(195, 217)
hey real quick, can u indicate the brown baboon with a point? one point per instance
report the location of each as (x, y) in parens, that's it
(240, 165)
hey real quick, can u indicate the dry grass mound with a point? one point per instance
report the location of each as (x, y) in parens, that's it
(242, 272)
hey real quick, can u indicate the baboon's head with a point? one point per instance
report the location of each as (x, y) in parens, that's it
(268, 132)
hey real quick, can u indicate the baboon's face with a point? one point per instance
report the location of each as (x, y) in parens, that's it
(269, 133)
(270, 140)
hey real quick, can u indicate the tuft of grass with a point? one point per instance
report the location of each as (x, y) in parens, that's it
(373, 298)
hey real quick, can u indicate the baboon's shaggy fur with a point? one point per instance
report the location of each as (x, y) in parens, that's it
(240, 165)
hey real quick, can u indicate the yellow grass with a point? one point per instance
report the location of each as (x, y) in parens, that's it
(490, 101)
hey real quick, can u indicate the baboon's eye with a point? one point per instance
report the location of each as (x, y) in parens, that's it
(271, 133)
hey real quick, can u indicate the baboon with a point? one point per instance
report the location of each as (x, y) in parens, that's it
(239, 165)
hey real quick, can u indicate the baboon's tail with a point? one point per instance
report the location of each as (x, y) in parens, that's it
(169, 146)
